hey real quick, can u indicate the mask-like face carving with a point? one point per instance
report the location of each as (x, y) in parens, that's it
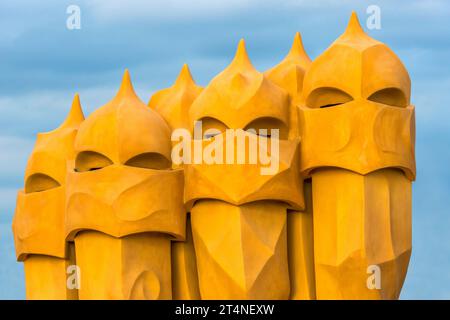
(231, 182)
(356, 111)
(240, 97)
(39, 219)
(239, 197)
(123, 171)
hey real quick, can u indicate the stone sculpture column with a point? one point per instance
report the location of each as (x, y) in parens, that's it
(125, 203)
(238, 213)
(358, 147)
(173, 105)
(38, 223)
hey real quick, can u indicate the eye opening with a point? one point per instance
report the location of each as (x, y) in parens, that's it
(38, 182)
(327, 97)
(211, 134)
(268, 135)
(149, 160)
(330, 105)
(263, 126)
(212, 127)
(91, 161)
(390, 96)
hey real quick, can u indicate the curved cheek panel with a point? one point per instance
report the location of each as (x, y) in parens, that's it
(38, 223)
(359, 136)
(330, 129)
(134, 202)
(238, 184)
(392, 131)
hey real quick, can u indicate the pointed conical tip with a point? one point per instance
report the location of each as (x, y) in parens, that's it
(297, 48)
(76, 100)
(241, 47)
(185, 76)
(75, 115)
(241, 57)
(126, 87)
(297, 40)
(354, 26)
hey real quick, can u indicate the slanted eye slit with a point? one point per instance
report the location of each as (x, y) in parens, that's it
(210, 135)
(40, 182)
(327, 97)
(390, 96)
(264, 127)
(91, 161)
(330, 105)
(212, 127)
(149, 160)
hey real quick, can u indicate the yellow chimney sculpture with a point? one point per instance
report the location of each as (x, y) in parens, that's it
(238, 215)
(294, 183)
(173, 104)
(358, 147)
(125, 203)
(38, 223)
(289, 75)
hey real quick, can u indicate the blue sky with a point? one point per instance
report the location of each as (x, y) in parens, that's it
(43, 64)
